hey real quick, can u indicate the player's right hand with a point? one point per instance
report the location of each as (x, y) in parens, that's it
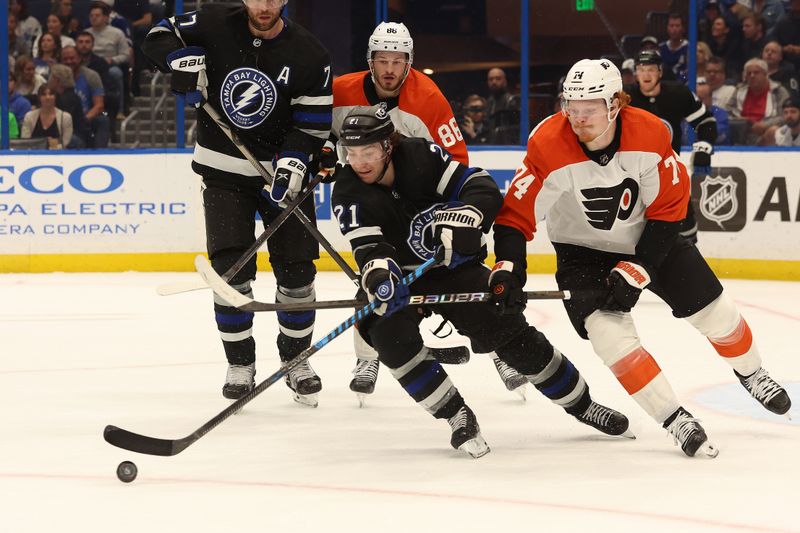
(381, 281)
(625, 284)
(188, 66)
(505, 286)
(328, 160)
(289, 176)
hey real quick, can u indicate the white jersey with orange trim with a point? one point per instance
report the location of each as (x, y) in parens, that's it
(420, 110)
(597, 200)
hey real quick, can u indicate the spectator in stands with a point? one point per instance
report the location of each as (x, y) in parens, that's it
(473, 123)
(13, 127)
(139, 14)
(758, 99)
(703, 92)
(769, 11)
(788, 134)
(62, 83)
(28, 28)
(502, 107)
(17, 104)
(56, 28)
(724, 44)
(703, 55)
(674, 51)
(48, 121)
(778, 69)
(710, 13)
(49, 54)
(721, 91)
(28, 82)
(89, 89)
(628, 77)
(63, 10)
(110, 44)
(787, 32)
(17, 46)
(85, 47)
(754, 38)
(648, 43)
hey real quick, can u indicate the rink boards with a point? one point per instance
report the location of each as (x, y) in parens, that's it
(142, 210)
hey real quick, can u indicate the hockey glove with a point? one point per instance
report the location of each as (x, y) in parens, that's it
(328, 160)
(457, 230)
(290, 173)
(701, 158)
(625, 285)
(381, 280)
(188, 66)
(505, 285)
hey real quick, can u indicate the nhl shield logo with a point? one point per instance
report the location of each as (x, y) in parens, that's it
(718, 201)
(248, 96)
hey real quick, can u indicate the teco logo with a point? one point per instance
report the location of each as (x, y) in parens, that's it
(50, 179)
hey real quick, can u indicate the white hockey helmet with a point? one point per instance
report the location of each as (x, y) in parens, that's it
(391, 37)
(589, 79)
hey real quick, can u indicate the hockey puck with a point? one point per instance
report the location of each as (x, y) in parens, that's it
(126, 471)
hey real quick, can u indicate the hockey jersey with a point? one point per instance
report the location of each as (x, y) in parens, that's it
(420, 110)
(675, 103)
(397, 221)
(602, 202)
(276, 94)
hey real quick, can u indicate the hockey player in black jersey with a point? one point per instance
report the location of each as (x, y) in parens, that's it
(400, 201)
(271, 80)
(673, 102)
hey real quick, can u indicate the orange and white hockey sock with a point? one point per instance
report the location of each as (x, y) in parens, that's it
(729, 334)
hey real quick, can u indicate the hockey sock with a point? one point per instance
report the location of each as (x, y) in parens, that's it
(424, 379)
(296, 327)
(236, 329)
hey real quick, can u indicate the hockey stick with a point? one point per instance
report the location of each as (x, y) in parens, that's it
(135, 442)
(178, 287)
(268, 178)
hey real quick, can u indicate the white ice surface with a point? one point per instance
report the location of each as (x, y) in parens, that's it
(80, 351)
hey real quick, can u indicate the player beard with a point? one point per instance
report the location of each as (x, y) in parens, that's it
(264, 27)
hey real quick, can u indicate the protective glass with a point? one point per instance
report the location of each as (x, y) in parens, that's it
(371, 153)
(269, 4)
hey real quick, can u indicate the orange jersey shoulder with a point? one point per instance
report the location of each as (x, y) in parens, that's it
(542, 158)
(642, 131)
(348, 90)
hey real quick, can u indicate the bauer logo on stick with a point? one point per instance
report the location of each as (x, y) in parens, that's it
(248, 96)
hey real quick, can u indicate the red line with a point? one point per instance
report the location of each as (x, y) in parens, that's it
(442, 496)
(768, 310)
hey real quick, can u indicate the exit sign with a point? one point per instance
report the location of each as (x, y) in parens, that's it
(584, 5)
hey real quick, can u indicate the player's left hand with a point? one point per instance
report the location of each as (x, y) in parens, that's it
(188, 66)
(290, 173)
(457, 230)
(328, 160)
(701, 157)
(625, 284)
(381, 281)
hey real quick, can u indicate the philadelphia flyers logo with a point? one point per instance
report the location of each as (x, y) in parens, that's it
(604, 205)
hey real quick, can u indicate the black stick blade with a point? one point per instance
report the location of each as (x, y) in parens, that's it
(127, 440)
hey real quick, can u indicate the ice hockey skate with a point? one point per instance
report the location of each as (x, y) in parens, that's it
(305, 384)
(767, 391)
(513, 380)
(467, 434)
(239, 381)
(687, 431)
(365, 374)
(605, 419)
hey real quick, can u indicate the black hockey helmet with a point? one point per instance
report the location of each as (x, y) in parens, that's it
(366, 125)
(648, 57)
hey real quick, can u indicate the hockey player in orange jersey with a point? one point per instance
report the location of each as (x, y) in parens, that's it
(607, 180)
(418, 109)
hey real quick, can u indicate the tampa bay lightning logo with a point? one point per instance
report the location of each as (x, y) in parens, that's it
(420, 236)
(248, 96)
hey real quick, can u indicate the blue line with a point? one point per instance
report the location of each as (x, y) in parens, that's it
(691, 53)
(82, 153)
(4, 104)
(524, 68)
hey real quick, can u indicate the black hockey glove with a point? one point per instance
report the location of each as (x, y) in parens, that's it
(701, 158)
(328, 160)
(505, 285)
(381, 280)
(625, 285)
(188, 66)
(290, 173)
(457, 230)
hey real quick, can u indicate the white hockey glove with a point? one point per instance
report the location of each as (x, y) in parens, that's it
(457, 229)
(188, 66)
(625, 285)
(290, 174)
(701, 157)
(381, 281)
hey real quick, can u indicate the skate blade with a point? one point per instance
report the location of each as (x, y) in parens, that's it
(311, 400)
(476, 447)
(787, 415)
(522, 393)
(707, 451)
(362, 399)
(628, 435)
